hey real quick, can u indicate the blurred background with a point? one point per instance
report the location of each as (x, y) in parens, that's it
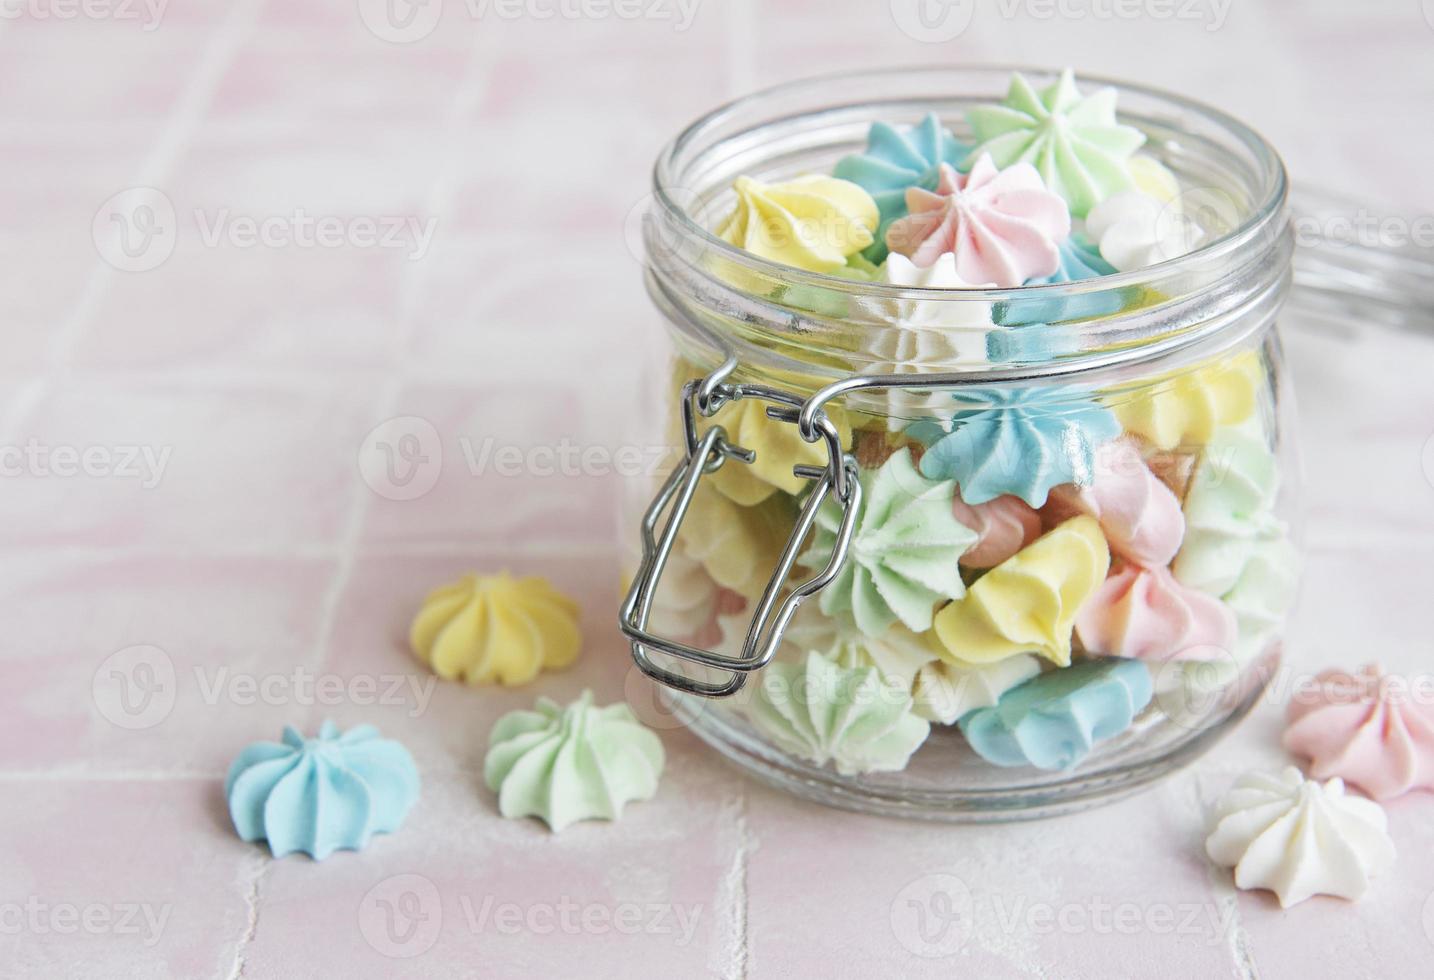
(281, 286)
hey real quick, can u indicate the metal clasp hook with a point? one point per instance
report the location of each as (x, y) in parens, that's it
(706, 453)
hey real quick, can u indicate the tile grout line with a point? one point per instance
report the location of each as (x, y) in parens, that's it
(261, 866)
(734, 936)
(441, 194)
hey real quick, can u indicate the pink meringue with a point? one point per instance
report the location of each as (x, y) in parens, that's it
(1139, 514)
(1370, 729)
(1145, 613)
(1003, 526)
(1002, 225)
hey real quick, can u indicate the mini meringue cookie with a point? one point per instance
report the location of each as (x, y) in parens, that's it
(1054, 721)
(778, 446)
(944, 692)
(1141, 518)
(319, 795)
(1074, 141)
(1143, 613)
(1184, 408)
(896, 652)
(1003, 525)
(1228, 511)
(903, 553)
(568, 764)
(811, 222)
(1018, 441)
(496, 629)
(1152, 178)
(1004, 226)
(848, 717)
(1370, 729)
(1299, 838)
(1263, 594)
(895, 160)
(1028, 603)
(926, 336)
(1134, 230)
(739, 546)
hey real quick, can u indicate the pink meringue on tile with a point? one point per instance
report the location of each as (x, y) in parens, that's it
(1145, 613)
(1139, 514)
(1371, 729)
(1003, 526)
(1003, 225)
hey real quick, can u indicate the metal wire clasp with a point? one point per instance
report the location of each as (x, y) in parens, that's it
(708, 452)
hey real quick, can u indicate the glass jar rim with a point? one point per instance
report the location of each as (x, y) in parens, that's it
(1257, 227)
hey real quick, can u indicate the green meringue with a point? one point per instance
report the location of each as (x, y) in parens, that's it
(896, 653)
(826, 713)
(1263, 593)
(569, 764)
(1229, 511)
(903, 553)
(1074, 141)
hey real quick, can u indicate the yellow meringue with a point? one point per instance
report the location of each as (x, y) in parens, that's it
(1028, 603)
(739, 546)
(811, 222)
(1184, 408)
(1153, 178)
(779, 447)
(496, 629)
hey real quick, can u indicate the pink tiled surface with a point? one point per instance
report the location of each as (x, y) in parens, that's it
(260, 550)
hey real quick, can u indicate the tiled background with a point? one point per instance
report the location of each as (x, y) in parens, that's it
(257, 551)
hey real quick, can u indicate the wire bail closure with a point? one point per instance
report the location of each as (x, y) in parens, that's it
(706, 453)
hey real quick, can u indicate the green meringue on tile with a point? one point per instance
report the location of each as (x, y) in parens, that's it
(1074, 141)
(850, 718)
(903, 553)
(565, 764)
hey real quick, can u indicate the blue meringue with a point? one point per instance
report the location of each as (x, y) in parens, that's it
(896, 160)
(1052, 721)
(1019, 441)
(1079, 260)
(319, 795)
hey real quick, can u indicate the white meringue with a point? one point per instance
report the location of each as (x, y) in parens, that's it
(925, 336)
(1134, 230)
(1299, 838)
(944, 692)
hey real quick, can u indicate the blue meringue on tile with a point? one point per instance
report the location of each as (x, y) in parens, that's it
(324, 794)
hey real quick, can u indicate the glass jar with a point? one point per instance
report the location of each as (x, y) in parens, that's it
(963, 554)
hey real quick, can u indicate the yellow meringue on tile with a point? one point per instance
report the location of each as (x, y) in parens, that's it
(496, 629)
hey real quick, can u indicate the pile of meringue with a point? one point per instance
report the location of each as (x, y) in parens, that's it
(1031, 564)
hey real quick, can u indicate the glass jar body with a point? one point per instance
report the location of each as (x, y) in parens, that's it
(1070, 559)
